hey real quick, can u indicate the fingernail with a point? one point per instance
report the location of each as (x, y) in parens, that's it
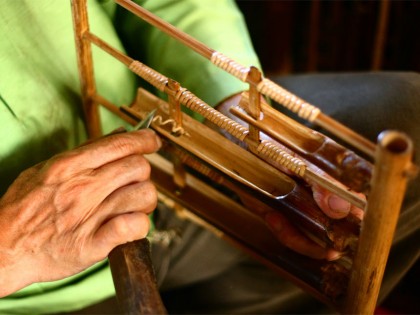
(333, 255)
(338, 204)
(274, 222)
(159, 141)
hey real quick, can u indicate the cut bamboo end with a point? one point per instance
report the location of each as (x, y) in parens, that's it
(393, 159)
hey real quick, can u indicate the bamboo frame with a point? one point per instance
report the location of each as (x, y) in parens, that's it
(248, 176)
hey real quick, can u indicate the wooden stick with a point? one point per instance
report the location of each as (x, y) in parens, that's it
(85, 66)
(393, 162)
(134, 279)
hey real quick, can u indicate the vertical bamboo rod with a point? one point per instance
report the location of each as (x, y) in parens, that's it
(393, 162)
(254, 104)
(85, 66)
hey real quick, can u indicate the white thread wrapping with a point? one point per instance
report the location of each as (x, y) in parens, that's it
(288, 100)
(152, 76)
(197, 105)
(281, 157)
(229, 65)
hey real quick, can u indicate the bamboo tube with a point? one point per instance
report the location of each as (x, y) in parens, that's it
(85, 66)
(393, 163)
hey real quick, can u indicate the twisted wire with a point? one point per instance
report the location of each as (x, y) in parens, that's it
(229, 65)
(195, 104)
(289, 100)
(152, 76)
(272, 151)
(175, 129)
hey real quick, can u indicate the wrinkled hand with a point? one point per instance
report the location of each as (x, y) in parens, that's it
(287, 234)
(63, 215)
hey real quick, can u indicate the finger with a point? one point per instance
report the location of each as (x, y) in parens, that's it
(137, 197)
(115, 131)
(332, 205)
(103, 151)
(119, 230)
(357, 212)
(116, 174)
(292, 238)
(84, 193)
(116, 146)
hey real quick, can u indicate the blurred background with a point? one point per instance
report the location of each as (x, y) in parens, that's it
(314, 35)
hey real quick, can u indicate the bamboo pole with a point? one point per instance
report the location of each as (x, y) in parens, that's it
(393, 163)
(85, 67)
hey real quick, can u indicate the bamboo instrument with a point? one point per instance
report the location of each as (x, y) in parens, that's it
(231, 189)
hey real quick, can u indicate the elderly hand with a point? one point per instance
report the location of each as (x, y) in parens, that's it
(287, 234)
(63, 215)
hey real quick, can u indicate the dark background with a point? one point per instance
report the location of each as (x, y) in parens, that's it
(293, 37)
(325, 36)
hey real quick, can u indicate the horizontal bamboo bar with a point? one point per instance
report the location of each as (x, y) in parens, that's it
(108, 48)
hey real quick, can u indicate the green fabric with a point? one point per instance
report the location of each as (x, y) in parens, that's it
(40, 96)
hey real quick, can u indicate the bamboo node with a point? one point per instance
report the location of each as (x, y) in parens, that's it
(152, 76)
(229, 65)
(289, 100)
(273, 152)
